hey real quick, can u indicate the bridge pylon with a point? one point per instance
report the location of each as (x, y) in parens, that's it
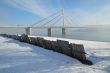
(28, 30)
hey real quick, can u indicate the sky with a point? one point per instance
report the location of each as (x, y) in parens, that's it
(27, 12)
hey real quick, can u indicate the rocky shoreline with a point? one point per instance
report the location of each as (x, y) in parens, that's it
(70, 49)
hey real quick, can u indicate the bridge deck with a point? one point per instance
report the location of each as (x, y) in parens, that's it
(40, 27)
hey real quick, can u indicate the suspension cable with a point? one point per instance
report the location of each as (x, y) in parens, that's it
(44, 19)
(71, 19)
(66, 19)
(57, 20)
(50, 20)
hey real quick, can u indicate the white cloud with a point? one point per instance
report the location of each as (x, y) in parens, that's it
(39, 8)
(100, 17)
(33, 6)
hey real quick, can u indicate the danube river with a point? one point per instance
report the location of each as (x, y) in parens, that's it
(92, 33)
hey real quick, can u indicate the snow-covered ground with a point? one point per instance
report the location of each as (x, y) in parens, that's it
(17, 57)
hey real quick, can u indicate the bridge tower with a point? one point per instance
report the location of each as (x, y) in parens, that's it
(63, 22)
(28, 30)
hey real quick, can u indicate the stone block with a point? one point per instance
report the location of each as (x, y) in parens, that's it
(64, 47)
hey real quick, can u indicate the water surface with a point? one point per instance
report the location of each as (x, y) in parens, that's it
(94, 34)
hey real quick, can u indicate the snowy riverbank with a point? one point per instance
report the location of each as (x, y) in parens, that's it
(17, 57)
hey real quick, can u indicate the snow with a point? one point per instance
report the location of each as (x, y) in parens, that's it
(18, 57)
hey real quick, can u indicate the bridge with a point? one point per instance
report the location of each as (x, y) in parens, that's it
(60, 19)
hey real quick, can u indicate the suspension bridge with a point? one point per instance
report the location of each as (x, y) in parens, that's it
(60, 19)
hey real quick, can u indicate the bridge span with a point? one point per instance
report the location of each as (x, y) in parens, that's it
(28, 29)
(59, 19)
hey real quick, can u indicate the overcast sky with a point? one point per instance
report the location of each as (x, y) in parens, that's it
(22, 12)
